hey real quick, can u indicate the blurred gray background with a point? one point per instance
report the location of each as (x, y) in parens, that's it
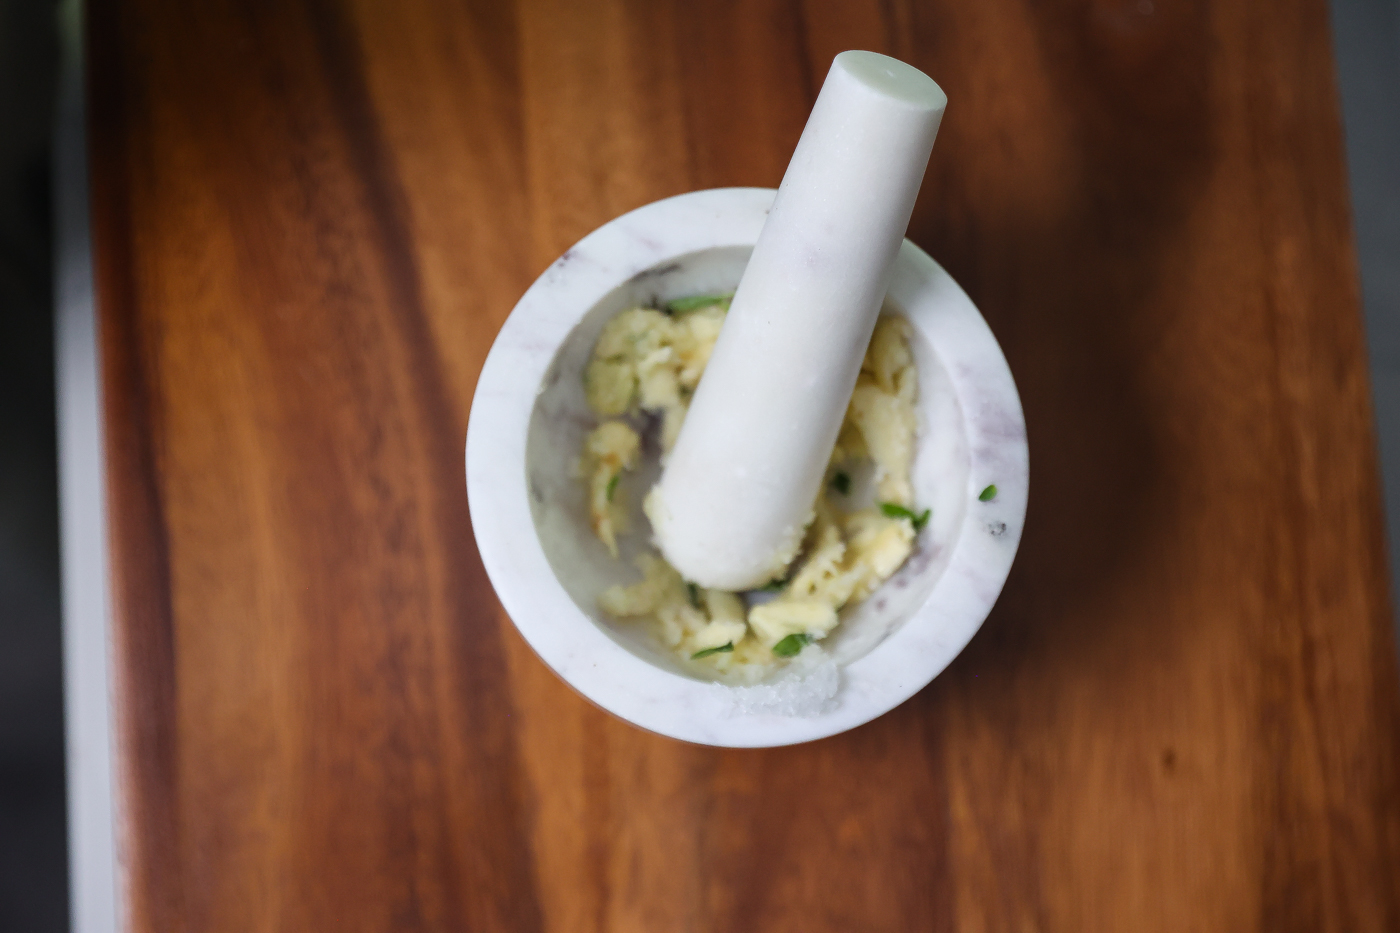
(33, 848)
(33, 872)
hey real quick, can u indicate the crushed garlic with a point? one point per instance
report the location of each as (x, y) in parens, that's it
(649, 360)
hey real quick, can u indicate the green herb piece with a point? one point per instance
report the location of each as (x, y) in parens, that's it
(918, 520)
(791, 645)
(773, 586)
(841, 482)
(896, 511)
(709, 651)
(612, 485)
(694, 592)
(988, 494)
(696, 302)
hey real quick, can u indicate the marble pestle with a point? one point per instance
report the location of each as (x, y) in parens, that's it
(737, 489)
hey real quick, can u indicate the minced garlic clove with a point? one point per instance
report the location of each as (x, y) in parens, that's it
(773, 621)
(611, 448)
(890, 359)
(877, 546)
(826, 549)
(716, 633)
(694, 339)
(609, 386)
(724, 607)
(886, 423)
(658, 387)
(632, 334)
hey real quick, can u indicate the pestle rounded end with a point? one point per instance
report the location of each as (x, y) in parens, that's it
(893, 78)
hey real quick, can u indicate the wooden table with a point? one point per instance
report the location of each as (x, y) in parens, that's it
(312, 217)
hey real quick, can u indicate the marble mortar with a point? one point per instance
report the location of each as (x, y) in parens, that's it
(530, 517)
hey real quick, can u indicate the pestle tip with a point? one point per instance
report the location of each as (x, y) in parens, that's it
(892, 78)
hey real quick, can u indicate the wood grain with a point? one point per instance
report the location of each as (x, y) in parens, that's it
(311, 217)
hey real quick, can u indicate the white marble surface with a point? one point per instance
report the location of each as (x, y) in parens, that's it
(528, 415)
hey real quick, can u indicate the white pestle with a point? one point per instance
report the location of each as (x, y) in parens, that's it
(738, 488)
